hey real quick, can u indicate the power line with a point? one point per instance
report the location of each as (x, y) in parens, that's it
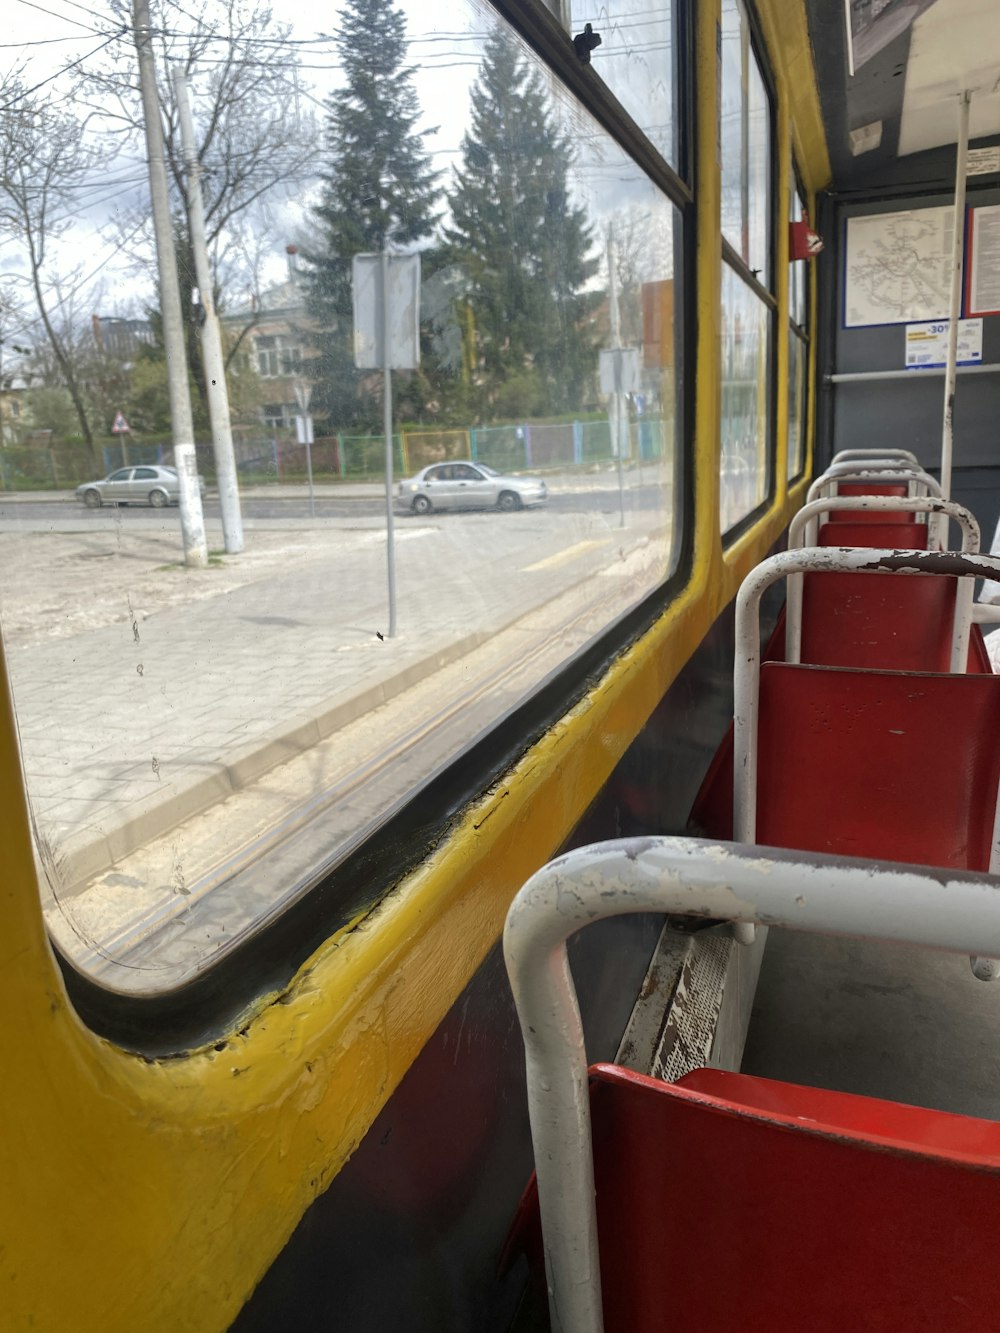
(63, 18)
(72, 65)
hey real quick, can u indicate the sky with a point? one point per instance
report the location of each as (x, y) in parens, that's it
(40, 37)
(445, 45)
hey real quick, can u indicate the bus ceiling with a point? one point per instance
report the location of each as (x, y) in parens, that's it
(890, 93)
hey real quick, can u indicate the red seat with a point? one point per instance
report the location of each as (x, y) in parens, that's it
(712, 811)
(886, 621)
(878, 764)
(730, 1203)
(869, 515)
(909, 536)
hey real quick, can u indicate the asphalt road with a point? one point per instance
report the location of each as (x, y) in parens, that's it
(20, 513)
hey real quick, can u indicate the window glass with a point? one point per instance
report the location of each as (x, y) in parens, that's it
(637, 60)
(758, 169)
(797, 349)
(144, 474)
(798, 281)
(746, 394)
(233, 731)
(745, 140)
(731, 127)
(122, 474)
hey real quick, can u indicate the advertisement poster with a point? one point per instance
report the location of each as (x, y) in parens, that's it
(982, 270)
(927, 344)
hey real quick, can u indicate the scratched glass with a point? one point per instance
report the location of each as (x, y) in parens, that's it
(636, 58)
(202, 745)
(745, 468)
(745, 145)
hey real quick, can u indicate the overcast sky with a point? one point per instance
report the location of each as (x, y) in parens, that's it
(42, 36)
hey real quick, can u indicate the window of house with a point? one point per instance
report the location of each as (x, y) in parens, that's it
(278, 354)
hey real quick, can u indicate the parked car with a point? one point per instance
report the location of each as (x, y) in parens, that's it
(468, 486)
(148, 484)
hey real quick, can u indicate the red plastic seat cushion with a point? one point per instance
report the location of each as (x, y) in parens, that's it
(869, 515)
(716, 1216)
(892, 622)
(899, 767)
(893, 535)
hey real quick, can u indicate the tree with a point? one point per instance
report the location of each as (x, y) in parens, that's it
(255, 144)
(379, 187)
(523, 244)
(46, 156)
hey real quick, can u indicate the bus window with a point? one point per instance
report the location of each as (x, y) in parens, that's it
(202, 746)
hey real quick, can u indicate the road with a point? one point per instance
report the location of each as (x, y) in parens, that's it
(57, 513)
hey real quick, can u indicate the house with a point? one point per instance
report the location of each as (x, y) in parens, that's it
(274, 330)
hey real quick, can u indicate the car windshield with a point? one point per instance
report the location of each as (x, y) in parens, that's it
(490, 471)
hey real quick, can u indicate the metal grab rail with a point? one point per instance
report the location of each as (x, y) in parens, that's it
(954, 911)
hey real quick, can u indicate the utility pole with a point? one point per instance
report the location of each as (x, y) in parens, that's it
(182, 425)
(619, 411)
(211, 341)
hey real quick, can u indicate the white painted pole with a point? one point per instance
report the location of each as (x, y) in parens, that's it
(947, 429)
(211, 340)
(618, 408)
(182, 425)
(387, 427)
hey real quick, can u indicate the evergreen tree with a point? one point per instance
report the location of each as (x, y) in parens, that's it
(524, 246)
(379, 188)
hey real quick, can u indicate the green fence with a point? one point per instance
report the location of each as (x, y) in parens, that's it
(267, 459)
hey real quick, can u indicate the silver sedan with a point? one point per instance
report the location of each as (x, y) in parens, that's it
(468, 486)
(156, 486)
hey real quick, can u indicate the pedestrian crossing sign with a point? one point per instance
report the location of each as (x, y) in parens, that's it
(121, 426)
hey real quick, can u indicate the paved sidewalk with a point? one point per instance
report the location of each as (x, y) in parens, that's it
(129, 728)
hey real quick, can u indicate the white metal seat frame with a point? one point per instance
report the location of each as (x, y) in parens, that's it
(804, 527)
(746, 676)
(845, 455)
(917, 481)
(953, 911)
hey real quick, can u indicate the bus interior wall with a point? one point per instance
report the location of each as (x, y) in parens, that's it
(432, 1206)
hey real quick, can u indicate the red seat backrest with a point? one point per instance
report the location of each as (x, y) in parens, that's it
(911, 536)
(716, 1216)
(879, 764)
(895, 622)
(712, 811)
(869, 515)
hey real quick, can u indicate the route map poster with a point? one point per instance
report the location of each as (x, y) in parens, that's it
(898, 267)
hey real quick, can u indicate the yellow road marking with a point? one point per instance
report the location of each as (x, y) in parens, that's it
(570, 553)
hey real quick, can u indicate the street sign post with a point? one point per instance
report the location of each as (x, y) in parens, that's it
(304, 433)
(386, 292)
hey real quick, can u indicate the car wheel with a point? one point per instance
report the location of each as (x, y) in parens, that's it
(421, 505)
(508, 502)
(159, 499)
(92, 499)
